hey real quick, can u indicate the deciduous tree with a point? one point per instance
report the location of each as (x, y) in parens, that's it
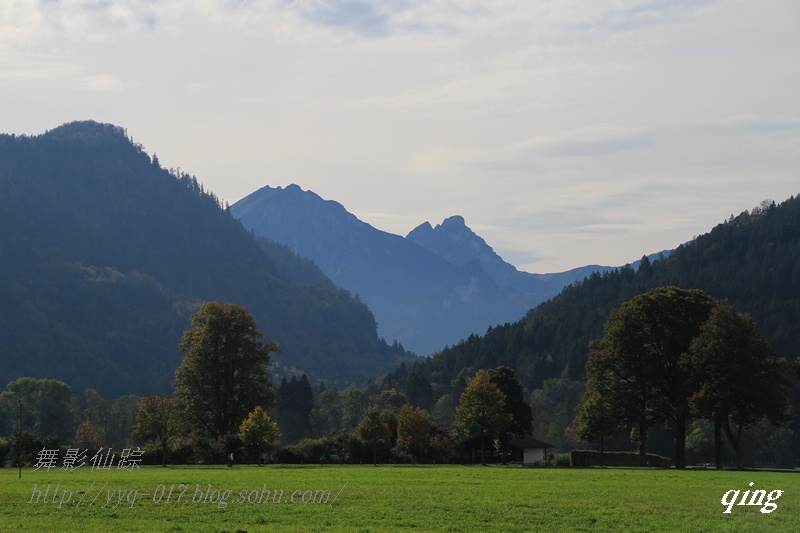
(223, 375)
(258, 430)
(45, 406)
(373, 430)
(414, 429)
(596, 418)
(86, 436)
(158, 419)
(738, 378)
(481, 411)
(637, 364)
(515, 406)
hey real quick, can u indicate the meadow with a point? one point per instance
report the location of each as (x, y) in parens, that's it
(390, 498)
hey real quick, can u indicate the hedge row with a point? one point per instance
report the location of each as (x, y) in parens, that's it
(595, 458)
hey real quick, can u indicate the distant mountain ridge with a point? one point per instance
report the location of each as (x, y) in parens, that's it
(406, 285)
(432, 288)
(459, 245)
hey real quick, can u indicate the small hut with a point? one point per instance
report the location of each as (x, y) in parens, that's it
(530, 451)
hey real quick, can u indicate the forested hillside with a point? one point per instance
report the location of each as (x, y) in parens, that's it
(104, 256)
(752, 260)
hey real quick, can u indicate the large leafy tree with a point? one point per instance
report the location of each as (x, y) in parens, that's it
(481, 412)
(158, 419)
(414, 429)
(44, 405)
(515, 406)
(374, 430)
(223, 375)
(738, 378)
(596, 418)
(637, 365)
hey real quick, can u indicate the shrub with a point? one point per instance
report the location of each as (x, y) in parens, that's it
(562, 459)
(5, 447)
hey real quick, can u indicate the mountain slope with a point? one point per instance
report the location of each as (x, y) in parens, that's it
(419, 297)
(752, 260)
(106, 255)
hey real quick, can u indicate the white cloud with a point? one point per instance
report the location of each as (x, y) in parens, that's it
(591, 141)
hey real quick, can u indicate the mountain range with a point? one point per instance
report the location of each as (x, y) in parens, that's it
(432, 288)
(105, 255)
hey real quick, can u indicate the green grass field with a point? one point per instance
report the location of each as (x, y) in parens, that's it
(390, 498)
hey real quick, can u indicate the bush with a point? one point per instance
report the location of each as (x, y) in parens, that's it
(5, 447)
(562, 459)
(595, 458)
(307, 451)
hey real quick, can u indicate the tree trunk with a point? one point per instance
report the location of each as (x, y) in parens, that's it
(718, 442)
(602, 454)
(643, 440)
(736, 441)
(643, 424)
(483, 451)
(164, 453)
(680, 441)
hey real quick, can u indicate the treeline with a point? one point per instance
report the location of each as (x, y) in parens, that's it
(751, 260)
(224, 404)
(317, 424)
(44, 413)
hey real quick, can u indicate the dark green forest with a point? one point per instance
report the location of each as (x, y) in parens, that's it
(751, 260)
(104, 256)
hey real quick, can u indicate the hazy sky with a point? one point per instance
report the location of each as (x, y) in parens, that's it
(565, 132)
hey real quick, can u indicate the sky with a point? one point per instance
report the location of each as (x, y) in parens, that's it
(565, 132)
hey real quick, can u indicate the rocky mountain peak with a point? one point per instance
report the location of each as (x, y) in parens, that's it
(454, 241)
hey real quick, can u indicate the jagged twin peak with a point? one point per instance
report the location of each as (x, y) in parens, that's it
(451, 239)
(458, 244)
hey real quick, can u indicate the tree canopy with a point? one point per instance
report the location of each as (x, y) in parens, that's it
(672, 353)
(738, 379)
(481, 412)
(414, 429)
(515, 405)
(637, 362)
(374, 430)
(258, 430)
(223, 375)
(158, 419)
